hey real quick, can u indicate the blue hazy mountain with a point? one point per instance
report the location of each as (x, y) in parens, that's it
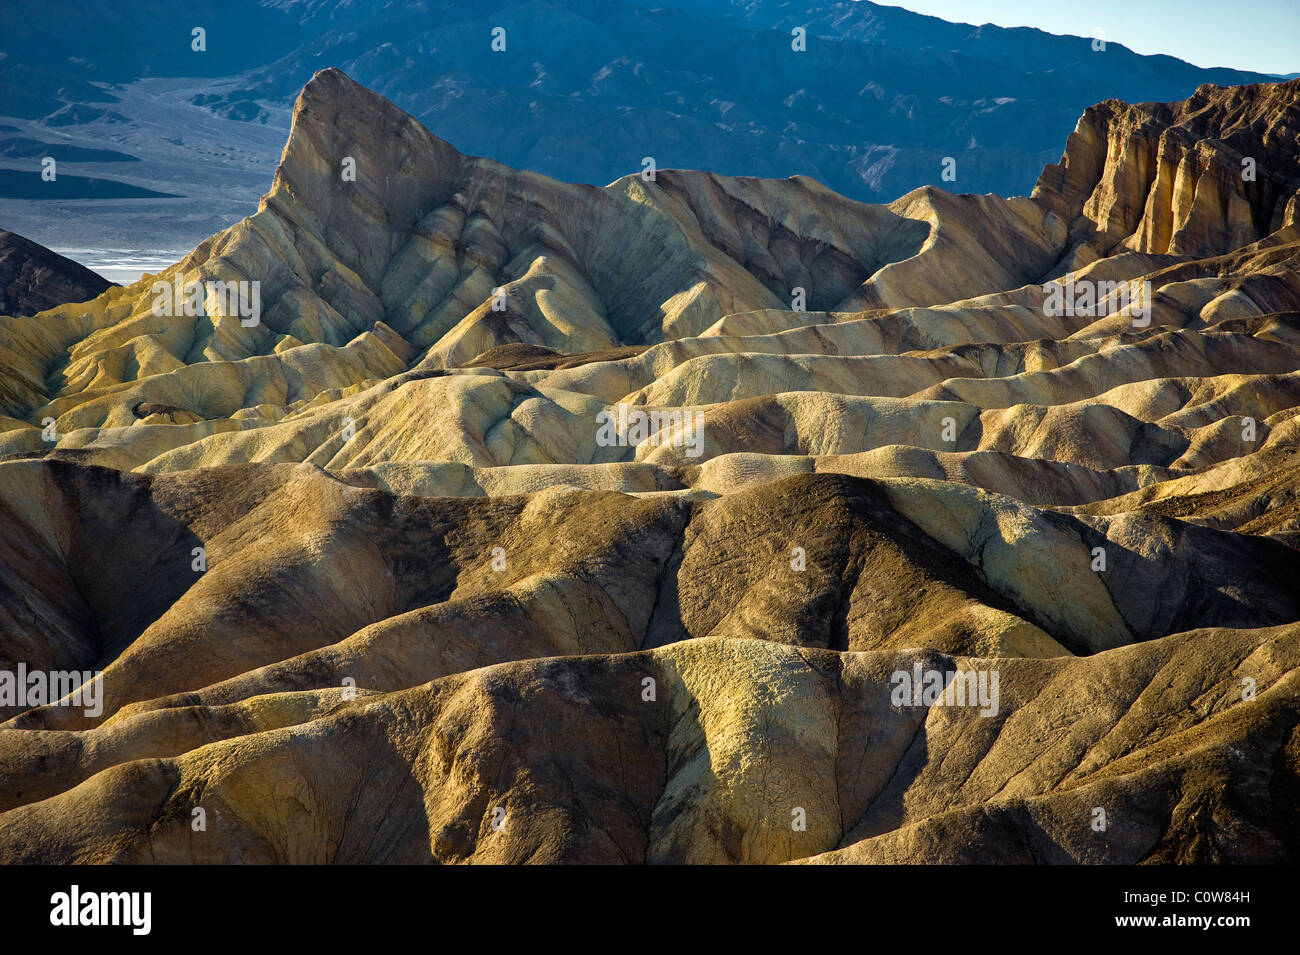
(585, 89)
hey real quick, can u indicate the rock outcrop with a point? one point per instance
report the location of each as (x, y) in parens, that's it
(1199, 178)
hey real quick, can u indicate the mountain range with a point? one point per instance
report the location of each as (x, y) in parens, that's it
(160, 144)
(378, 560)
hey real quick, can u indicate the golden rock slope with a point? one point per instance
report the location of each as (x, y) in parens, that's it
(438, 618)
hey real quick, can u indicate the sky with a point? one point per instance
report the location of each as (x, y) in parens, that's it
(1260, 35)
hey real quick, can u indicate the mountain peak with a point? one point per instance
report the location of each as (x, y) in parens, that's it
(356, 165)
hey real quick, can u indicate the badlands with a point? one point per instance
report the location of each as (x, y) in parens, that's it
(366, 580)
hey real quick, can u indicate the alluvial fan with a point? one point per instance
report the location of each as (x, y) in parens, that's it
(444, 512)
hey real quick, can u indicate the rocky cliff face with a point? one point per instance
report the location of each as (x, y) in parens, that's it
(1201, 177)
(389, 573)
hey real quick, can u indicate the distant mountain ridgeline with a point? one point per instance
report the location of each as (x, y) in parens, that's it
(584, 90)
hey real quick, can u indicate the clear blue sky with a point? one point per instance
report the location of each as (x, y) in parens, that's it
(1260, 35)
